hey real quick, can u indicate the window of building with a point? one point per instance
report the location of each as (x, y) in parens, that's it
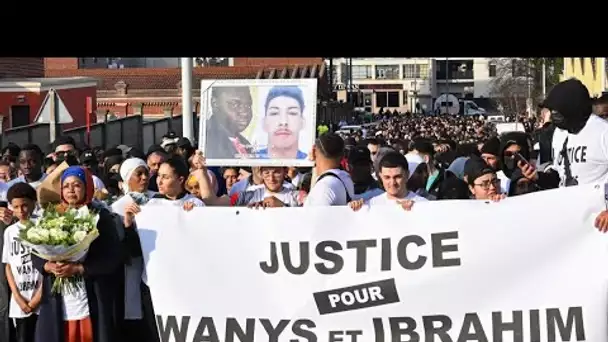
(416, 71)
(388, 72)
(405, 97)
(356, 98)
(393, 98)
(387, 99)
(362, 72)
(492, 70)
(381, 99)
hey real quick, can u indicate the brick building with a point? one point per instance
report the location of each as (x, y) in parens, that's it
(21, 99)
(156, 92)
(14, 67)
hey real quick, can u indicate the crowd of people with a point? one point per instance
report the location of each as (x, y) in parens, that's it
(401, 160)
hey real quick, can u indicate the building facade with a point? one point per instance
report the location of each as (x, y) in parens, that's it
(402, 83)
(21, 99)
(13, 67)
(591, 71)
(156, 92)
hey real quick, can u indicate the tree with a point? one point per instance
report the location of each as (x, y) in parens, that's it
(517, 79)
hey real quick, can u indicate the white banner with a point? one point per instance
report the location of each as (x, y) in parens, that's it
(527, 269)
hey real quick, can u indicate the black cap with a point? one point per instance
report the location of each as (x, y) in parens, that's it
(476, 167)
(87, 157)
(492, 146)
(184, 142)
(359, 155)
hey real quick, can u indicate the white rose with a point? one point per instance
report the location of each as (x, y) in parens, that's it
(55, 233)
(79, 236)
(33, 236)
(44, 235)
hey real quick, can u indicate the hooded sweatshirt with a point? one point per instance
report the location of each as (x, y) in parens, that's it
(580, 140)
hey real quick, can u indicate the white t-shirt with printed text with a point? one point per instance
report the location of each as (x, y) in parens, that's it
(26, 277)
(587, 152)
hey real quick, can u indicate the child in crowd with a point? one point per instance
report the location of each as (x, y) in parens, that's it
(23, 279)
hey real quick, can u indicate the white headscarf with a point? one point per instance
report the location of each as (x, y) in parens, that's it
(126, 171)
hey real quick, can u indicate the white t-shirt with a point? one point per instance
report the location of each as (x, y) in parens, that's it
(285, 195)
(587, 152)
(331, 191)
(75, 303)
(159, 199)
(505, 182)
(26, 277)
(384, 200)
(243, 185)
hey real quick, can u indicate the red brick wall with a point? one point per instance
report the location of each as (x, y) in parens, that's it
(74, 100)
(11, 67)
(61, 63)
(250, 61)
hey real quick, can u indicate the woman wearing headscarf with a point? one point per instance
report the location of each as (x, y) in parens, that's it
(136, 312)
(88, 313)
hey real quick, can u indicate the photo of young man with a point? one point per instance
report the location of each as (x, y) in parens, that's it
(283, 121)
(231, 115)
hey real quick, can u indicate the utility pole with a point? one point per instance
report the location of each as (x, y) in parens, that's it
(544, 80)
(349, 87)
(331, 76)
(529, 89)
(187, 114)
(415, 86)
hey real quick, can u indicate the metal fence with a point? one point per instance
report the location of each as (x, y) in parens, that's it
(131, 131)
(134, 131)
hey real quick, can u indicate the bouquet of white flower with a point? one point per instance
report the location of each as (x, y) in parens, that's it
(62, 236)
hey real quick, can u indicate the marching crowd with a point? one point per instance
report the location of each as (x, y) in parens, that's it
(400, 161)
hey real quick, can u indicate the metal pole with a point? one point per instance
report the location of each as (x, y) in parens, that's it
(447, 78)
(350, 80)
(544, 76)
(52, 116)
(529, 89)
(415, 86)
(187, 115)
(331, 75)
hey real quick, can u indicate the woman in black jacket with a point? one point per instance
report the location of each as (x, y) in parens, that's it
(88, 314)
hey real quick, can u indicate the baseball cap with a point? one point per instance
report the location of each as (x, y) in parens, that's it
(87, 157)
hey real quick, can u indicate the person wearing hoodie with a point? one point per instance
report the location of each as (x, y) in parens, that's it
(580, 140)
(513, 147)
(545, 136)
(491, 154)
